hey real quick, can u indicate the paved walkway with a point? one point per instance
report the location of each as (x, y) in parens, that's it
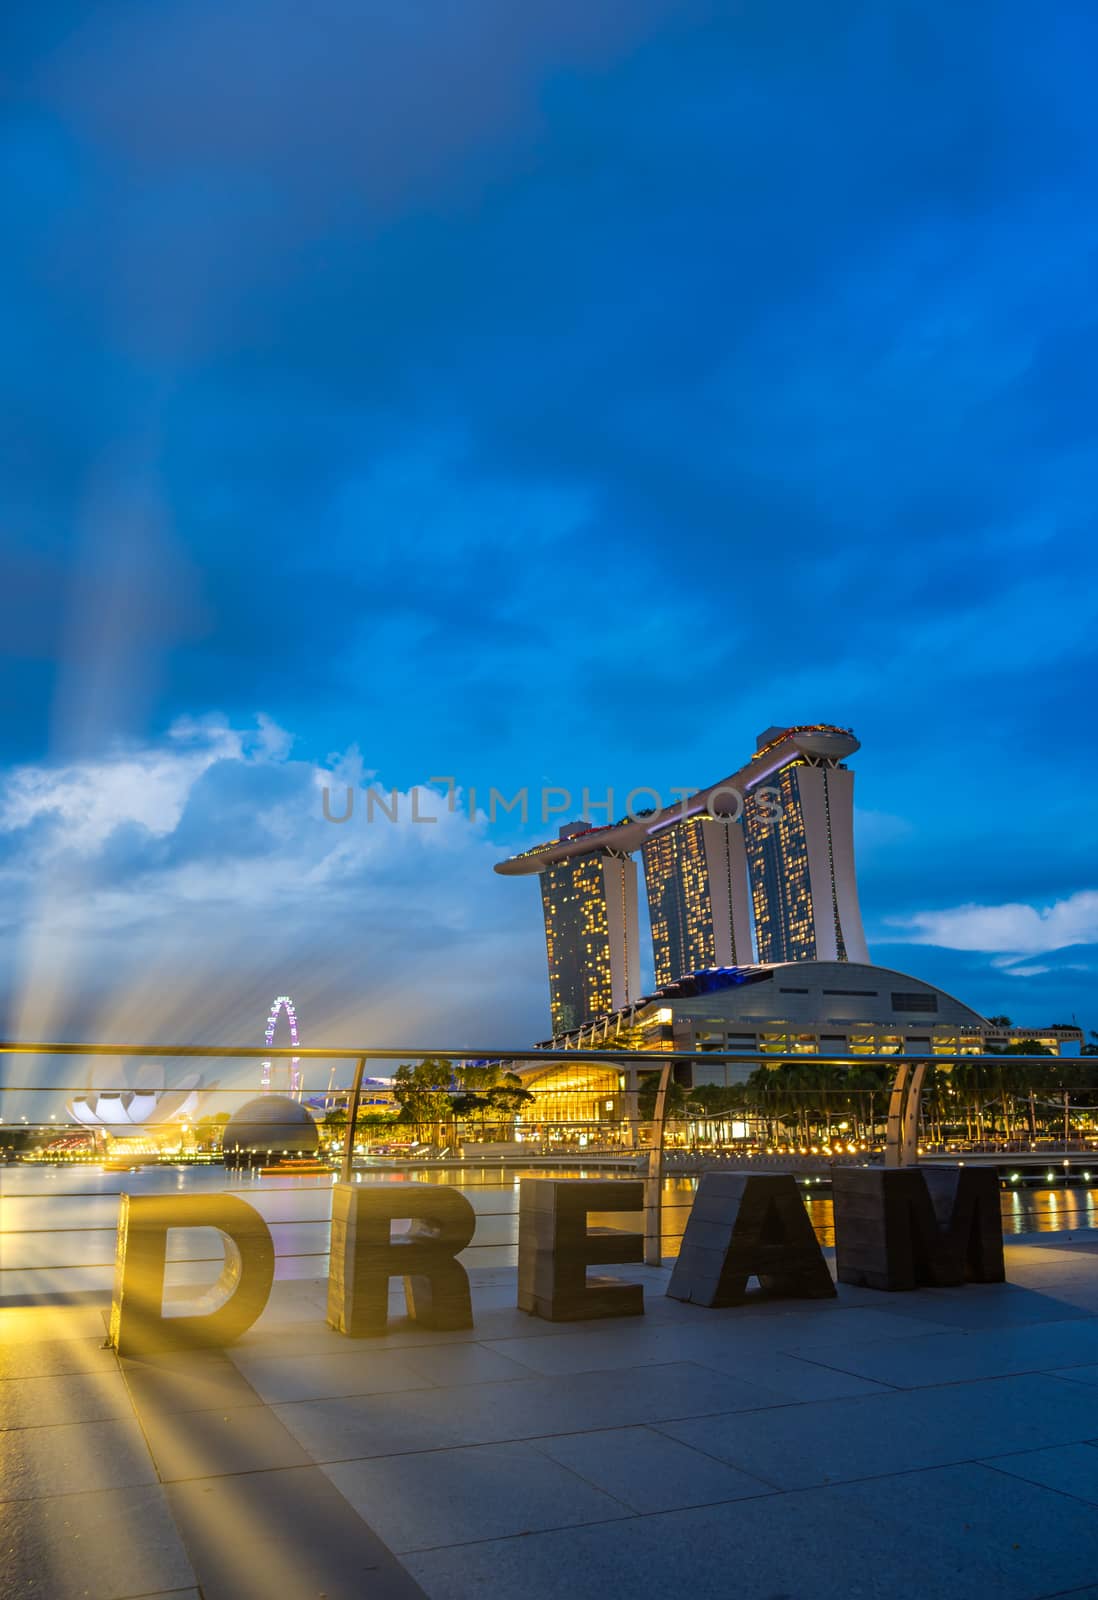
(943, 1442)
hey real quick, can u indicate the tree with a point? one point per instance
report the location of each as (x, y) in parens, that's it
(505, 1097)
(1000, 1022)
(508, 1096)
(716, 1100)
(477, 1078)
(464, 1107)
(648, 1088)
(423, 1093)
(335, 1124)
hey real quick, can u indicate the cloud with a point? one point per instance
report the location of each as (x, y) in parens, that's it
(1012, 929)
(82, 803)
(162, 890)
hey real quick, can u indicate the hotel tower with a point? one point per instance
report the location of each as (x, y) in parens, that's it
(801, 862)
(591, 936)
(695, 872)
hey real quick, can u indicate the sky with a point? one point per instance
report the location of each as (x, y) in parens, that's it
(532, 395)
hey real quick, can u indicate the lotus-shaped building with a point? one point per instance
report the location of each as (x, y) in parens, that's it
(144, 1109)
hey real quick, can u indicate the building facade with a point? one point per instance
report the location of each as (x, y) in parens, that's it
(695, 873)
(591, 936)
(801, 863)
(829, 1009)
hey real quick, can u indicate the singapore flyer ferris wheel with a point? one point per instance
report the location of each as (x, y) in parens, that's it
(281, 1003)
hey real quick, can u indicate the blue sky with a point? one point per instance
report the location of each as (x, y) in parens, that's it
(539, 395)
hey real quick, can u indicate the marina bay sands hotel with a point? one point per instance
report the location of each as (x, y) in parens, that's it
(757, 868)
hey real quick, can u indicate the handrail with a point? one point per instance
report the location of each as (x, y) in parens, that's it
(496, 1053)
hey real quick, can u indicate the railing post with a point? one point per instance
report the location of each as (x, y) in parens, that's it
(912, 1113)
(895, 1123)
(352, 1115)
(902, 1135)
(653, 1183)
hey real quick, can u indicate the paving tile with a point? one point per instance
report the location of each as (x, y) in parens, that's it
(64, 1459)
(886, 1317)
(442, 1497)
(598, 1347)
(961, 1357)
(790, 1376)
(896, 1431)
(1070, 1468)
(1031, 1539)
(107, 1544)
(433, 1419)
(206, 1444)
(989, 1305)
(45, 1357)
(700, 1334)
(283, 1535)
(362, 1368)
(724, 1346)
(1087, 1375)
(795, 1546)
(454, 1364)
(50, 1324)
(649, 1472)
(315, 1338)
(62, 1398)
(356, 1371)
(184, 1383)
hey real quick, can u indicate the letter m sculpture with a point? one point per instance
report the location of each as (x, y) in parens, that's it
(909, 1226)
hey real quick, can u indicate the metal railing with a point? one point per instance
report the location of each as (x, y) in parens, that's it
(45, 1232)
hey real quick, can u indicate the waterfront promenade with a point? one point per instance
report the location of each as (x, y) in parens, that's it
(943, 1442)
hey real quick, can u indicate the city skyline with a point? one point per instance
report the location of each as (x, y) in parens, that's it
(453, 444)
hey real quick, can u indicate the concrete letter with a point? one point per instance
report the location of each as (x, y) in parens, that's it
(556, 1247)
(138, 1324)
(743, 1227)
(364, 1256)
(906, 1226)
